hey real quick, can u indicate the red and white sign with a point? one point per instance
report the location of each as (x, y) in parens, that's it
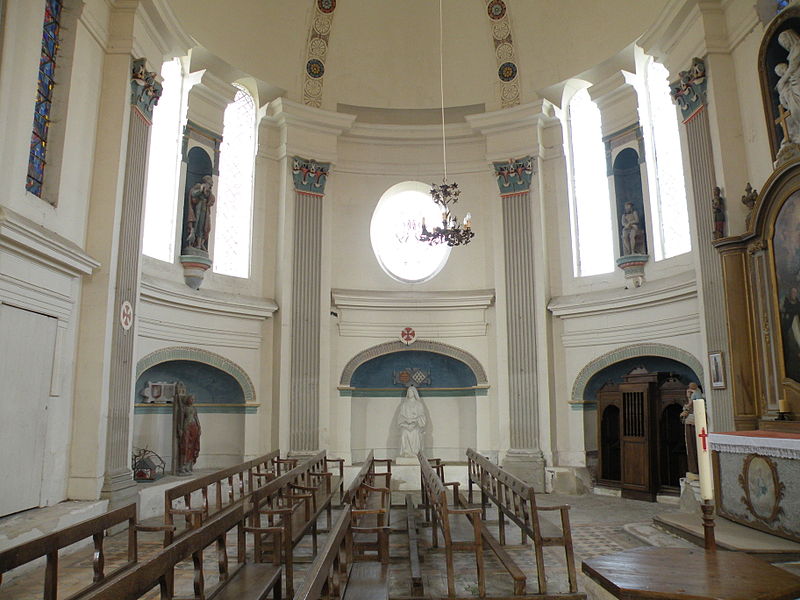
(126, 315)
(407, 336)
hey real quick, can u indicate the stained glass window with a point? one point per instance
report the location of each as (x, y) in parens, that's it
(232, 230)
(591, 206)
(44, 96)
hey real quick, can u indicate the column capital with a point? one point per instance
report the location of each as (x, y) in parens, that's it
(309, 176)
(689, 91)
(514, 175)
(145, 88)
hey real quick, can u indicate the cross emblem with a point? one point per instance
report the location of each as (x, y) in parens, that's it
(703, 435)
(408, 335)
(126, 315)
(783, 116)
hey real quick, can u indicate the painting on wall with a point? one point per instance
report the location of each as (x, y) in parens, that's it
(716, 369)
(786, 250)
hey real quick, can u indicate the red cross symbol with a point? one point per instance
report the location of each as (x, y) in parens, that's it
(126, 315)
(703, 435)
(408, 335)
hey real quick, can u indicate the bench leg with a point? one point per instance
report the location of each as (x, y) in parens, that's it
(501, 523)
(277, 590)
(451, 583)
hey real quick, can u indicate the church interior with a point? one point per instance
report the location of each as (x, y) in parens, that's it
(354, 290)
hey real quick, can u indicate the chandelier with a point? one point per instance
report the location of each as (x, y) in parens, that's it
(446, 194)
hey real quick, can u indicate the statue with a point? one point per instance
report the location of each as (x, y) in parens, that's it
(188, 428)
(201, 199)
(687, 418)
(718, 208)
(788, 88)
(412, 423)
(631, 244)
(749, 200)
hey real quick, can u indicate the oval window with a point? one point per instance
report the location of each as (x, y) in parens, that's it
(396, 222)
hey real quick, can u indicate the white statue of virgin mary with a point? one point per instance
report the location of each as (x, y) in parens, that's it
(411, 421)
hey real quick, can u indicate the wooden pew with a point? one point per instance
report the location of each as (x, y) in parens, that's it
(417, 587)
(291, 504)
(95, 528)
(516, 500)
(436, 498)
(335, 575)
(244, 581)
(370, 509)
(216, 491)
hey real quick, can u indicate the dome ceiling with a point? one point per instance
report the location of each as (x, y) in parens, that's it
(385, 53)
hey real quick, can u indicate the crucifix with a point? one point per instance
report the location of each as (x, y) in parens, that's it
(783, 116)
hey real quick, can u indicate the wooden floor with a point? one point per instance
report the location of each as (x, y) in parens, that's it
(693, 574)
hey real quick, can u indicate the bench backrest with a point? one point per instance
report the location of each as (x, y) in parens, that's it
(434, 490)
(327, 576)
(515, 497)
(49, 545)
(159, 570)
(217, 490)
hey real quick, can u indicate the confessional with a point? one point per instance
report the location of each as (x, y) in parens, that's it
(642, 448)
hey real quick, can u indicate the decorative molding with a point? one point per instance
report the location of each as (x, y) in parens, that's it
(412, 300)
(174, 333)
(675, 289)
(632, 351)
(514, 175)
(508, 85)
(423, 345)
(316, 52)
(201, 356)
(23, 236)
(165, 293)
(429, 330)
(205, 408)
(683, 324)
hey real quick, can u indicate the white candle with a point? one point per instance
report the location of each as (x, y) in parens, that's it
(703, 451)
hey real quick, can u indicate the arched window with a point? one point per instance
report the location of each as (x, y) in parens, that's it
(664, 165)
(163, 168)
(232, 230)
(593, 246)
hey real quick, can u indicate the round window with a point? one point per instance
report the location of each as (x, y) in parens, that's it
(396, 222)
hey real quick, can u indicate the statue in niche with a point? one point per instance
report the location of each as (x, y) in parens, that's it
(198, 218)
(188, 431)
(411, 421)
(631, 240)
(687, 418)
(718, 209)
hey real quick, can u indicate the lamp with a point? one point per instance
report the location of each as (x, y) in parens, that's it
(446, 194)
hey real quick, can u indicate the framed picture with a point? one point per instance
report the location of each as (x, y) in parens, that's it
(717, 369)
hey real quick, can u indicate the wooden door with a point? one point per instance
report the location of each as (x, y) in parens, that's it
(27, 345)
(636, 441)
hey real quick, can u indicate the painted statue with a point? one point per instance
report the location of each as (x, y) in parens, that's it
(198, 219)
(687, 418)
(188, 435)
(718, 209)
(411, 421)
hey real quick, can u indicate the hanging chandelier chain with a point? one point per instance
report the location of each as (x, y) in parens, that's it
(441, 86)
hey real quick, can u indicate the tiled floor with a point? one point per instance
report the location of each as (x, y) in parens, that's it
(600, 525)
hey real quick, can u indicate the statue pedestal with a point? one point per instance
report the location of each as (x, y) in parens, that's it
(528, 465)
(633, 266)
(195, 264)
(407, 460)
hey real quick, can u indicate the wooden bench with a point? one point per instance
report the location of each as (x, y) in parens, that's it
(371, 509)
(244, 581)
(335, 575)
(291, 504)
(95, 528)
(516, 500)
(197, 499)
(417, 587)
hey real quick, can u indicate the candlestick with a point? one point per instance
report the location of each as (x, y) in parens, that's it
(703, 453)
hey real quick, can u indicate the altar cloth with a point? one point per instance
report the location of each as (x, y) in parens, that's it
(766, 443)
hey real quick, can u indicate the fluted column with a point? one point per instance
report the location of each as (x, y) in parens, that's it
(689, 93)
(309, 178)
(514, 180)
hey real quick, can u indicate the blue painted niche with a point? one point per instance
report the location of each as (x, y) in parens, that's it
(209, 385)
(375, 377)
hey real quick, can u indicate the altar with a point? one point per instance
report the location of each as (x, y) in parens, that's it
(757, 479)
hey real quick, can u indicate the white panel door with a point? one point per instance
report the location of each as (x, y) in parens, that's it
(27, 344)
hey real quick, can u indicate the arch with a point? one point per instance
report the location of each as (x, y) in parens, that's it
(633, 351)
(398, 346)
(202, 356)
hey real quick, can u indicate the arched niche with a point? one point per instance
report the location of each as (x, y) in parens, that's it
(449, 381)
(223, 393)
(628, 189)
